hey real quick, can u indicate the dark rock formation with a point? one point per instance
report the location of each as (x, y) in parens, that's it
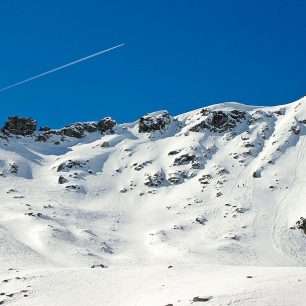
(155, 180)
(20, 126)
(13, 168)
(138, 167)
(201, 219)
(296, 129)
(177, 177)
(204, 180)
(71, 164)
(201, 299)
(73, 187)
(174, 152)
(98, 266)
(184, 159)
(301, 224)
(62, 180)
(256, 174)
(106, 125)
(152, 123)
(219, 121)
(105, 144)
(78, 130)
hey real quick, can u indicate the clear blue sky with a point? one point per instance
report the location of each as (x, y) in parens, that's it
(179, 55)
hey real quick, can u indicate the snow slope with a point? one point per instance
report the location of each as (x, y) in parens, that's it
(215, 193)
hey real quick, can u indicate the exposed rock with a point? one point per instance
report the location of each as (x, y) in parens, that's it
(73, 187)
(177, 177)
(142, 165)
(201, 219)
(202, 299)
(256, 174)
(78, 130)
(98, 266)
(241, 210)
(204, 180)
(13, 168)
(106, 125)
(62, 180)
(71, 164)
(75, 130)
(219, 121)
(20, 126)
(296, 129)
(196, 164)
(42, 137)
(154, 180)
(301, 224)
(152, 123)
(174, 152)
(105, 144)
(184, 159)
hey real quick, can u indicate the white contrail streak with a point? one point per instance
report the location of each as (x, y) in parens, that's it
(61, 67)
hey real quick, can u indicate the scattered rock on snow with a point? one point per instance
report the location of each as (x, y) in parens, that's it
(202, 299)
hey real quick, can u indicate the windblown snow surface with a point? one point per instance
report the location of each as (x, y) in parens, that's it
(201, 211)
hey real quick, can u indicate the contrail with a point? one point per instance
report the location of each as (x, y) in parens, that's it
(61, 67)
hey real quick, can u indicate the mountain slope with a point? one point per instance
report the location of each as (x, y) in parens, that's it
(222, 185)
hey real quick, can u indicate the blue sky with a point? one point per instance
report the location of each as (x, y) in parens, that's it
(179, 55)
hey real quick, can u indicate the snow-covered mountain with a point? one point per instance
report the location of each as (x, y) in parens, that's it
(216, 187)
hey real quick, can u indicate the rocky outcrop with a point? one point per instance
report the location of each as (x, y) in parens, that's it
(20, 126)
(71, 164)
(13, 168)
(296, 129)
(301, 224)
(138, 167)
(152, 123)
(106, 125)
(218, 121)
(62, 180)
(184, 159)
(204, 180)
(155, 180)
(79, 130)
(177, 177)
(201, 220)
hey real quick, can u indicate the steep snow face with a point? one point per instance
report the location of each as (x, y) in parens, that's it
(219, 185)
